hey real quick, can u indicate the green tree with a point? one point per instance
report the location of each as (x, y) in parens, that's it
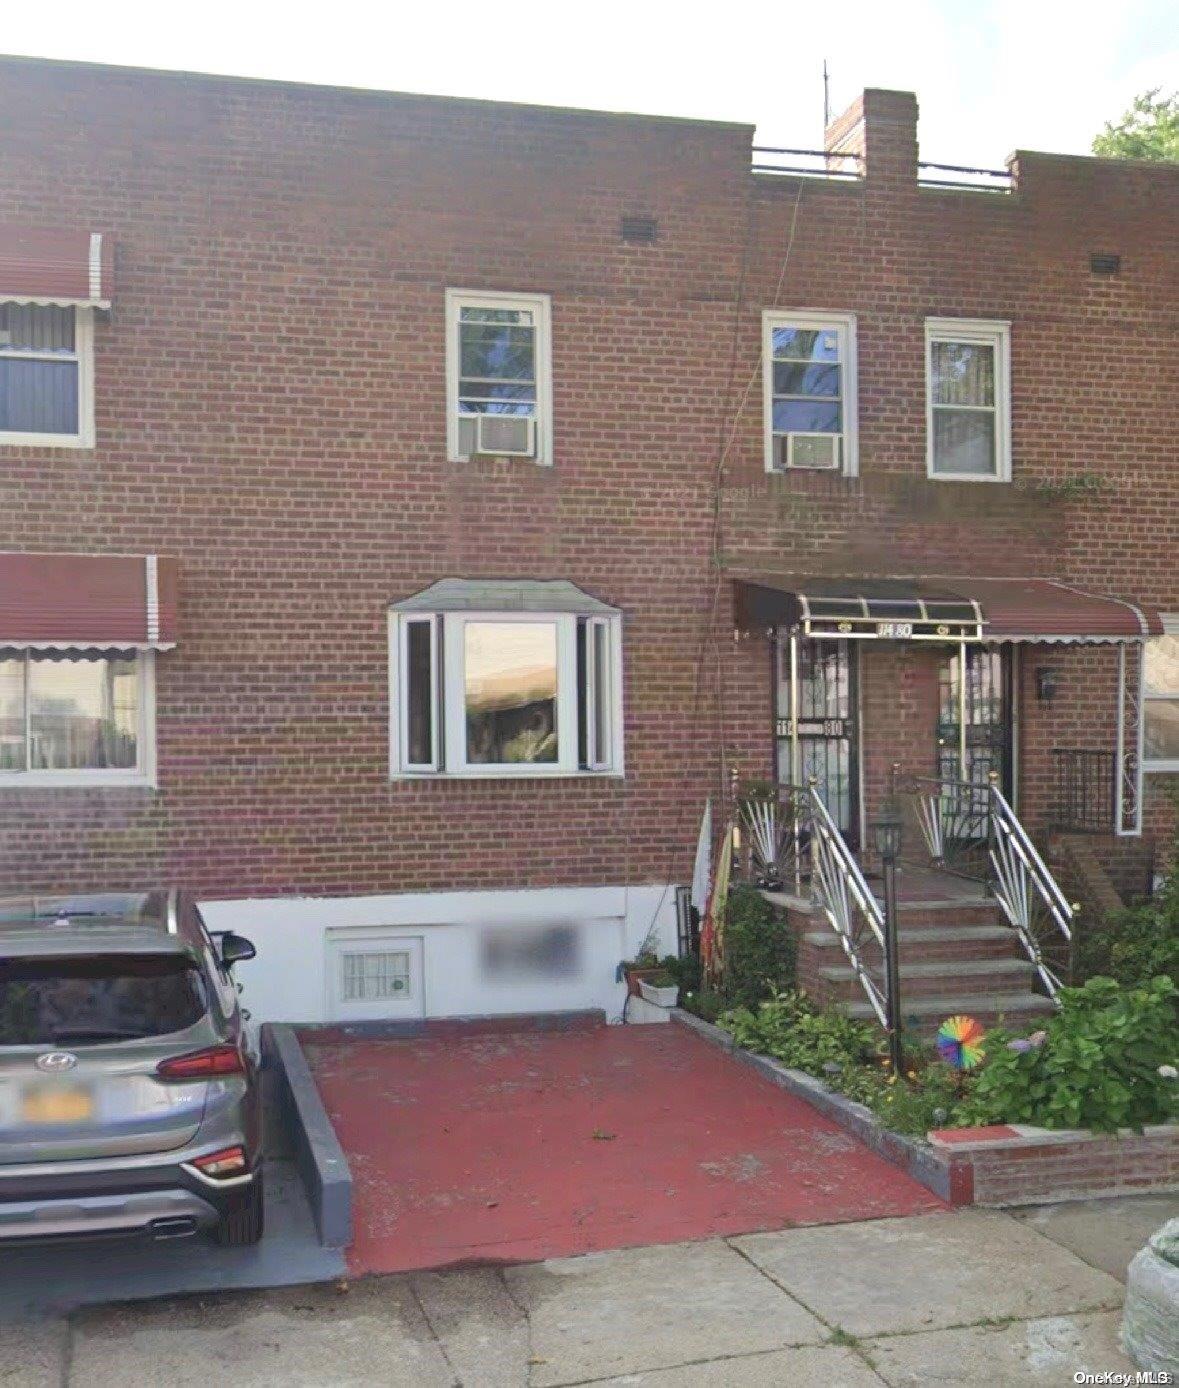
(1148, 130)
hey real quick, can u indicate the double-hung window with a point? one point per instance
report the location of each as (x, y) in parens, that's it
(968, 399)
(505, 693)
(46, 375)
(499, 396)
(1160, 701)
(76, 718)
(810, 391)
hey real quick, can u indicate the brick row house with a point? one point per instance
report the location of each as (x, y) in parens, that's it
(413, 509)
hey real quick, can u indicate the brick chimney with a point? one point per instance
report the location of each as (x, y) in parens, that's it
(881, 127)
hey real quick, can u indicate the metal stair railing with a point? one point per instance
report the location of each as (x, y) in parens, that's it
(1026, 890)
(840, 890)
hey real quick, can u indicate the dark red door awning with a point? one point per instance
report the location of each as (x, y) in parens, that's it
(117, 601)
(1044, 609)
(56, 265)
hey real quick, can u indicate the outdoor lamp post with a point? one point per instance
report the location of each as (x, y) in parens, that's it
(887, 834)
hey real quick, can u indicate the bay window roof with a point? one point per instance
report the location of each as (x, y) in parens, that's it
(504, 595)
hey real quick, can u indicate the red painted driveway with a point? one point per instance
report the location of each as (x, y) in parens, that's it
(522, 1145)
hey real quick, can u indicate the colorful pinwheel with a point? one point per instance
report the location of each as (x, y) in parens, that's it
(960, 1042)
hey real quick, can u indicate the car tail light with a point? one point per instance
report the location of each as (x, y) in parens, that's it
(229, 1161)
(201, 1065)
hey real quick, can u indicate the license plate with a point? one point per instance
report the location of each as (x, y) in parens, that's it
(55, 1105)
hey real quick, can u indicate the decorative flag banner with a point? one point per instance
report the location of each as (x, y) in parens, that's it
(960, 1042)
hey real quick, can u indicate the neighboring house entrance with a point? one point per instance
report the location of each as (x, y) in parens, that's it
(827, 725)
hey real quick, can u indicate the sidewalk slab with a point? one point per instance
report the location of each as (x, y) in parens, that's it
(305, 1337)
(33, 1353)
(1028, 1353)
(482, 1331)
(1106, 1234)
(826, 1367)
(624, 1312)
(929, 1272)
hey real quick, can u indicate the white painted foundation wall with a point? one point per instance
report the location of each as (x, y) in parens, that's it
(290, 980)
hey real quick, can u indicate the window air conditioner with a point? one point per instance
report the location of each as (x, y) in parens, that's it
(512, 435)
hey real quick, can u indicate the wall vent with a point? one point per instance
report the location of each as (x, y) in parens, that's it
(1104, 263)
(641, 230)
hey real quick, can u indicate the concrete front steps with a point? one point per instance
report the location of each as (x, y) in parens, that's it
(957, 955)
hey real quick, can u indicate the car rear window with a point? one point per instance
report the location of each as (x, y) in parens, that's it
(56, 1002)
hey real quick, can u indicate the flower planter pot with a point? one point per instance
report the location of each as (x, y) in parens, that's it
(635, 975)
(665, 995)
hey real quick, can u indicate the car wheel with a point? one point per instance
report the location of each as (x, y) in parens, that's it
(243, 1226)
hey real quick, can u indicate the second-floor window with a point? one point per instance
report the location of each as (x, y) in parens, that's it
(968, 399)
(810, 392)
(499, 399)
(46, 376)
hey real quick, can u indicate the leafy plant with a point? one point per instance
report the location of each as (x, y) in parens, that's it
(684, 969)
(1148, 130)
(1104, 1061)
(759, 947)
(790, 1029)
(1137, 944)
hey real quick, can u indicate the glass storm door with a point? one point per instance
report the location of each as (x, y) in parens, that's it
(826, 725)
(988, 717)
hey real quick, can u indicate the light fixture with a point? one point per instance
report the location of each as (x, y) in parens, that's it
(886, 832)
(1047, 684)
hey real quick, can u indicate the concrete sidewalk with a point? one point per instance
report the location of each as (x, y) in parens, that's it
(963, 1297)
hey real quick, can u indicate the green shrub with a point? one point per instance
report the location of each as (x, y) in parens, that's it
(759, 950)
(1095, 1064)
(685, 969)
(1137, 944)
(790, 1029)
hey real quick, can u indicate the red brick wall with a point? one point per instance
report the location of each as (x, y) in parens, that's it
(270, 407)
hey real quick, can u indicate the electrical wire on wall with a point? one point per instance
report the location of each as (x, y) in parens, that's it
(727, 435)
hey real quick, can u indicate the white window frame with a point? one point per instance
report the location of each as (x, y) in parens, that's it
(84, 355)
(1164, 765)
(540, 305)
(823, 320)
(435, 761)
(143, 773)
(450, 741)
(982, 332)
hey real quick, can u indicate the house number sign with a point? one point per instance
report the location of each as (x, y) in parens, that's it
(896, 631)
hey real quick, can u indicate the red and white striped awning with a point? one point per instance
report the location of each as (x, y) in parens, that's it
(56, 265)
(66, 601)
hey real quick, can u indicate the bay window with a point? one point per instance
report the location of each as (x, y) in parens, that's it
(75, 717)
(505, 693)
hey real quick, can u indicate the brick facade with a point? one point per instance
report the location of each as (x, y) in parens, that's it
(271, 410)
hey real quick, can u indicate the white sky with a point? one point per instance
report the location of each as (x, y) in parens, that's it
(990, 75)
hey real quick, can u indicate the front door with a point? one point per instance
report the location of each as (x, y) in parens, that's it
(827, 728)
(988, 717)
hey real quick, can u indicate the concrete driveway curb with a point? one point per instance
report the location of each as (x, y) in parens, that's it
(319, 1158)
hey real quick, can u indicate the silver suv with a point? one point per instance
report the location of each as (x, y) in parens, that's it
(129, 1100)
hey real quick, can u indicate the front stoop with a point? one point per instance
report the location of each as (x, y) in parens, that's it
(956, 956)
